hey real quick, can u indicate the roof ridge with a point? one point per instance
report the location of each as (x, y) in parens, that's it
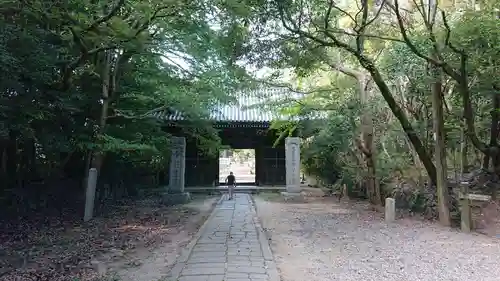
(246, 108)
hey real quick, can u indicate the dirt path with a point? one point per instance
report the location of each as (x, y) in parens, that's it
(327, 240)
(153, 264)
(135, 241)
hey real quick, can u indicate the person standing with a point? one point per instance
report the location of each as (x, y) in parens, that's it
(231, 183)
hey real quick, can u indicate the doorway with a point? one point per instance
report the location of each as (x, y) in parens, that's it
(239, 161)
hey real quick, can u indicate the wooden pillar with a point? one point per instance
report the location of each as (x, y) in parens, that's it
(258, 165)
(217, 169)
(281, 169)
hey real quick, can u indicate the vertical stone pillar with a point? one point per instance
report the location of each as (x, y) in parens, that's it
(465, 209)
(90, 195)
(390, 209)
(292, 158)
(177, 165)
(176, 194)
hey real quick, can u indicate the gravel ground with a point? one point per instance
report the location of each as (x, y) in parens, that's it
(326, 240)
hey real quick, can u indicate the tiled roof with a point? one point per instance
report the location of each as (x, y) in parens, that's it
(252, 106)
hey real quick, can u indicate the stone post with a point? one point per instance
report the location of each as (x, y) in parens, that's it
(90, 195)
(465, 208)
(292, 158)
(390, 209)
(177, 165)
(175, 193)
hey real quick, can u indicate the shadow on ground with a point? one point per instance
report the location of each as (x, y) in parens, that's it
(64, 248)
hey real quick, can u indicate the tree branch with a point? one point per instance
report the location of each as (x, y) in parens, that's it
(332, 5)
(345, 70)
(360, 39)
(407, 39)
(446, 68)
(377, 14)
(295, 29)
(462, 80)
(108, 16)
(344, 32)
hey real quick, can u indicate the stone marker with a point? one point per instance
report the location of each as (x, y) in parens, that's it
(292, 165)
(292, 156)
(466, 214)
(175, 193)
(90, 195)
(390, 209)
(466, 202)
(177, 165)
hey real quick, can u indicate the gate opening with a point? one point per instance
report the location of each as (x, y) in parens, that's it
(239, 161)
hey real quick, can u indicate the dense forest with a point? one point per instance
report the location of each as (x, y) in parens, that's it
(407, 88)
(409, 91)
(405, 91)
(82, 82)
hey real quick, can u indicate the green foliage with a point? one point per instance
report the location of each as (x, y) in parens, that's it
(164, 56)
(319, 49)
(322, 154)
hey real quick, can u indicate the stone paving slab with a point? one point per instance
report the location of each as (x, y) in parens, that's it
(230, 247)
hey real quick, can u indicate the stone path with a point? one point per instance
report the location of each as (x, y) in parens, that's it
(231, 246)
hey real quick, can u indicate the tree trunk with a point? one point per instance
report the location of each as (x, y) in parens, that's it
(11, 165)
(471, 133)
(440, 146)
(412, 135)
(98, 156)
(365, 142)
(486, 162)
(495, 119)
(464, 160)
(372, 185)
